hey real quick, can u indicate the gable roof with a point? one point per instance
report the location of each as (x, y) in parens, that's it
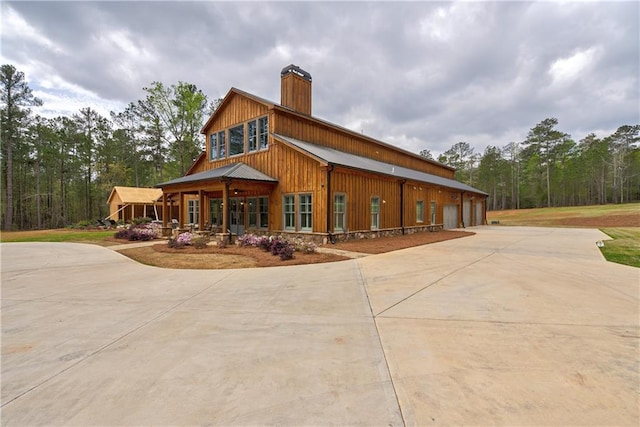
(332, 156)
(135, 195)
(274, 105)
(227, 98)
(231, 171)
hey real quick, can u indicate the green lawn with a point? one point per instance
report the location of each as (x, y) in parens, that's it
(625, 248)
(59, 235)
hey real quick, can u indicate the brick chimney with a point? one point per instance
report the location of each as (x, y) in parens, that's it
(295, 89)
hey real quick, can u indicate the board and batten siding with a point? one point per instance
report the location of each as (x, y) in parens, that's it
(305, 129)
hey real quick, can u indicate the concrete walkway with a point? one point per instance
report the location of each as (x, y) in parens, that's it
(510, 326)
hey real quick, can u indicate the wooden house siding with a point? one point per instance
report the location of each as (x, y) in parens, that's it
(238, 110)
(306, 129)
(298, 172)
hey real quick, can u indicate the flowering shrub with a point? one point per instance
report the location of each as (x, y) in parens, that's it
(184, 239)
(305, 247)
(276, 245)
(141, 232)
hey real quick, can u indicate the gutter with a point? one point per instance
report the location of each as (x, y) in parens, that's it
(329, 235)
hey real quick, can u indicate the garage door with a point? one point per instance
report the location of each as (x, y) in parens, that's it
(450, 216)
(479, 212)
(466, 213)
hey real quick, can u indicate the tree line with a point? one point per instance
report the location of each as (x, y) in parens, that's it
(59, 171)
(550, 169)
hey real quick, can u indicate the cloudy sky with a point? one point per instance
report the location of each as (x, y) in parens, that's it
(414, 74)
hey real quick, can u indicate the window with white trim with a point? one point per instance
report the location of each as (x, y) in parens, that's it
(375, 212)
(263, 133)
(263, 210)
(252, 138)
(252, 212)
(433, 212)
(222, 145)
(306, 212)
(420, 211)
(339, 212)
(213, 146)
(193, 211)
(236, 140)
(289, 212)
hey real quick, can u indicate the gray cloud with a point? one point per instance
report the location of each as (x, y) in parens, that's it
(416, 74)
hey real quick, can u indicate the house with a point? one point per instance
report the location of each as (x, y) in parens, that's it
(274, 168)
(127, 203)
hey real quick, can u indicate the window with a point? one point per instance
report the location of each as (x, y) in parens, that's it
(193, 211)
(236, 140)
(222, 148)
(339, 207)
(253, 212)
(215, 212)
(375, 213)
(289, 213)
(420, 211)
(433, 212)
(263, 132)
(213, 146)
(252, 141)
(306, 212)
(264, 212)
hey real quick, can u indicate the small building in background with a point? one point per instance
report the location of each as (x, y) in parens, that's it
(127, 203)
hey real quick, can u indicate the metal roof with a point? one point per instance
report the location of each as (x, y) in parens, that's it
(232, 171)
(341, 158)
(135, 195)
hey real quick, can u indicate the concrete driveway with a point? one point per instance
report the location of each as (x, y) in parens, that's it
(513, 326)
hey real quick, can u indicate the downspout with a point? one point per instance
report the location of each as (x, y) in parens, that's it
(462, 209)
(329, 235)
(402, 205)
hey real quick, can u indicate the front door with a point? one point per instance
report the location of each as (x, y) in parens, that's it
(236, 215)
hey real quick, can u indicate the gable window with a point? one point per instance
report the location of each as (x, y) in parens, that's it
(252, 138)
(236, 140)
(263, 132)
(306, 212)
(222, 147)
(339, 212)
(193, 211)
(375, 213)
(420, 211)
(213, 146)
(289, 209)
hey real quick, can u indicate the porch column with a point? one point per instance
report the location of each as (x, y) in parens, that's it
(225, 207)
(133, 211)
(180, 210)
(201, 208)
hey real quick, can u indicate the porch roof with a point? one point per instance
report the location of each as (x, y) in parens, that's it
(231, 171)
(341, 158)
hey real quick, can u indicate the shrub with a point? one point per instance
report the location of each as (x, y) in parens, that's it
(174, 244)
(264, 243)
(305, 247)
(184, 238)
(141, 220)
(122, 234)
(286, 251)
(143, 233)
(200, 242)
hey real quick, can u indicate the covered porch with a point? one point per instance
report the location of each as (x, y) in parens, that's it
(223, 202)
